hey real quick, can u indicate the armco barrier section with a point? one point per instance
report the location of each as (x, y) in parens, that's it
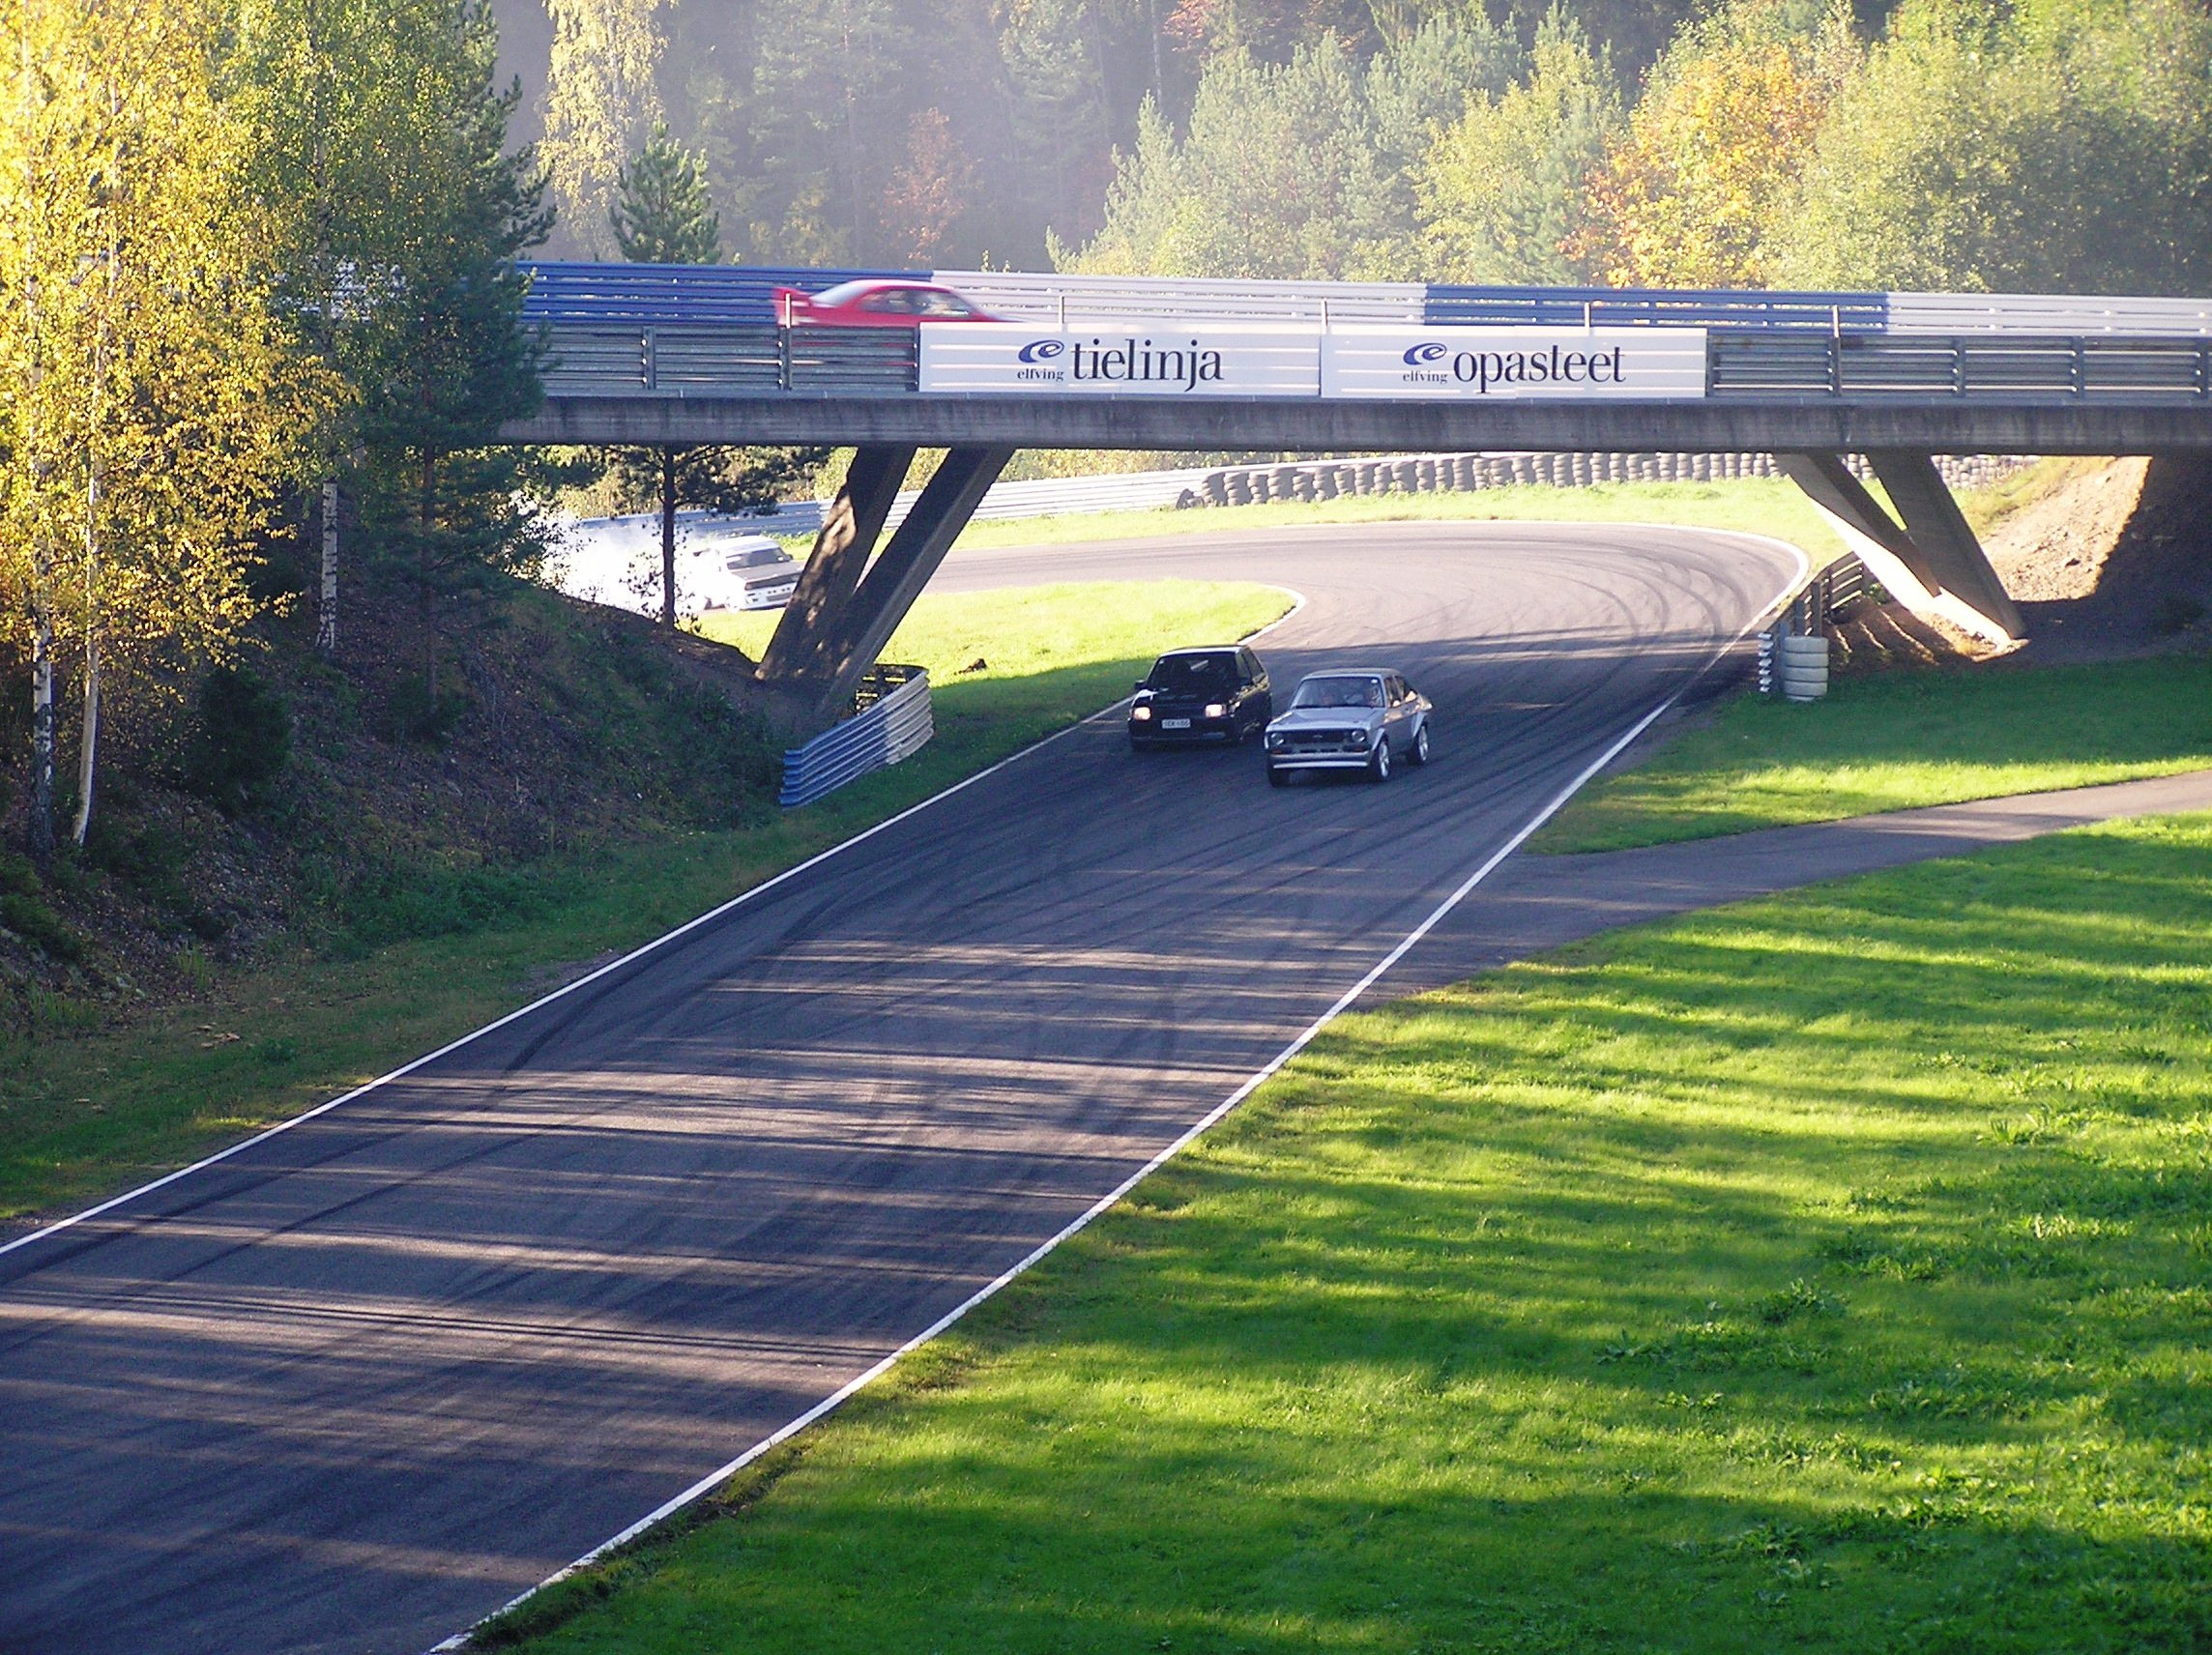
(894, 722)
(1657, 307)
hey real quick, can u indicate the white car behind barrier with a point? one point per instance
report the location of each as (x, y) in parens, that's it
(722, 564)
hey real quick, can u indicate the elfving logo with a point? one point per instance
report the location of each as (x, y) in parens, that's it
(1040, 350)
(1420, 356)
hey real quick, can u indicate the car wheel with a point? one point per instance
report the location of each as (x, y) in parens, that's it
(1420, 753)
(1379, 767)
(1278, 777)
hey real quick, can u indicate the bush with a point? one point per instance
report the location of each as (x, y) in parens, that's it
(243, 742)
(385, 903)
(414, 715)
(40, 925)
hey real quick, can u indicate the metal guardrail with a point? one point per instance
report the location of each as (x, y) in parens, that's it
(1829, 595)
(652, 359)
(1115, 301)
(2047, 313)
(892, 720)
(569, 293)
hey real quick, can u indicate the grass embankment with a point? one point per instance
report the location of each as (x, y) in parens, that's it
(1891, 742)
(84, 1114)
(1826, 1273)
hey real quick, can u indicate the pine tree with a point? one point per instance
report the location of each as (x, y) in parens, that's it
(440, 356)
(662, 213)
(665, 216)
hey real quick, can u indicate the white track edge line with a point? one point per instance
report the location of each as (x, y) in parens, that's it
(844, 1393)
(639, 952)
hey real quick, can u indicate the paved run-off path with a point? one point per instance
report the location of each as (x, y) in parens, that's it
(358, 1386)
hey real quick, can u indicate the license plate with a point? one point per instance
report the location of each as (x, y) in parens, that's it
(1175, 723)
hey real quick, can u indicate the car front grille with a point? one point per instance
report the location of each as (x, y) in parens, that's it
(1323, 742)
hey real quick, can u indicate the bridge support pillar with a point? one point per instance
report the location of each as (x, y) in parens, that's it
(835, 626)
(848, 535)
(1931, 561)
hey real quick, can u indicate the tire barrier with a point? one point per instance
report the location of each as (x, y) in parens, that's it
(892, 720)
(1802, 666)
(1424, 474)
(1333, 479)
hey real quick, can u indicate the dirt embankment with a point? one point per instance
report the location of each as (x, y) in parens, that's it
(2110, 558)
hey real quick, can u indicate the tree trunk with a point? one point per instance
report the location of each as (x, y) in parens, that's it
(42, 811)
(88, 746)
(88, 753)
(327, 611)
(425, 517)
(667, 535)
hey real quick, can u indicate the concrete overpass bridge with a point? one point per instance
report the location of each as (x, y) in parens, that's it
(643, 354)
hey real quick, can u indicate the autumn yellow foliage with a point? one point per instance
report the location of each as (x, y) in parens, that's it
(1710, 156)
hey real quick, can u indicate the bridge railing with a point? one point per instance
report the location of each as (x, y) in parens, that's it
(610, 359)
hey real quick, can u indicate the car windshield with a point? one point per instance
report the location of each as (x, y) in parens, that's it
(755, 556)
(1193, 675)
(844, 292)
(1339, 692)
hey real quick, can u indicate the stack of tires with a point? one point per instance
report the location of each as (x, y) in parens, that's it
(1802, 666)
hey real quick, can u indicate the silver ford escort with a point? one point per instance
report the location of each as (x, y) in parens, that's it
(1365, 719)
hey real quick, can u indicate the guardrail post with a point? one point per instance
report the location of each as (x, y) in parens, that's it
(652, 363)
(2079, 367)
(783, 357)
(1958, 367)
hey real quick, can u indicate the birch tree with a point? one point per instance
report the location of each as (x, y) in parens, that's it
(599, 96)
(153, 389)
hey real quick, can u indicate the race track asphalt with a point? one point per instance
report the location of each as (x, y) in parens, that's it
(361, 1383)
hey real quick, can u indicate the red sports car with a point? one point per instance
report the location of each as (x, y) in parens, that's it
(875, 303)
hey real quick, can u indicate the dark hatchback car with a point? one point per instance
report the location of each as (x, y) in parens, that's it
(1217, 694)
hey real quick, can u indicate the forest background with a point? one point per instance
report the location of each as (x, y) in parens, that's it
(2062, 145)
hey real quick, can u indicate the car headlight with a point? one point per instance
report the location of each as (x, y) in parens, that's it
(1274, 737)
(1216, 710)
(1140, 712)
(1361, 737)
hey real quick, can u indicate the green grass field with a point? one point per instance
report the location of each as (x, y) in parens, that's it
(87, 1113)
(1890, 742)
(1824, 1273)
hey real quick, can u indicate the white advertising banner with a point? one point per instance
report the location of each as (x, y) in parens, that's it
(1490, 364)
(1156, 361)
